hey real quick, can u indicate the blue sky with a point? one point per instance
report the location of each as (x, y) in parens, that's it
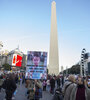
(27, 23)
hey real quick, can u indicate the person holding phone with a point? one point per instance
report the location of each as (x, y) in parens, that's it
(88, 83)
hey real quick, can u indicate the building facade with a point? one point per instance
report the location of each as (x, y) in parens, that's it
(15, 58)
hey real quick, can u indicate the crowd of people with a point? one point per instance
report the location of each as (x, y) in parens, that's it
(60, 87)
(8, 82)
(74, 88)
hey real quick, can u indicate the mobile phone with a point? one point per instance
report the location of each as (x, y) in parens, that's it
(88, 83)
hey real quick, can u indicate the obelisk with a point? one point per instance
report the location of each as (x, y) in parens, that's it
(53, 53)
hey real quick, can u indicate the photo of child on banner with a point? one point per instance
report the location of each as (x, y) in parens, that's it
(36, 65)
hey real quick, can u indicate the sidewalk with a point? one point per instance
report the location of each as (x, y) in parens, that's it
(20, 95)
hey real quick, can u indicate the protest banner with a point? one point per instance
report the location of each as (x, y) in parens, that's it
(36, 65)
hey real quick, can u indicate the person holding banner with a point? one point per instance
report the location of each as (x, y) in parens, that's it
(38, 91)
(31, 89)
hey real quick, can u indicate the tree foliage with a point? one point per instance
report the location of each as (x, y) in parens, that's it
(75, 69)
(7, 67)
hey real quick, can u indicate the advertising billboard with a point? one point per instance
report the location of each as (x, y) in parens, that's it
(17, 60)
(36, 65)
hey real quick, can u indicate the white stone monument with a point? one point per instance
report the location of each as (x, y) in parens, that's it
(53, 53)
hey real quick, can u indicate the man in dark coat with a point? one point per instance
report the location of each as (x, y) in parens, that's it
(58, 82)
(10, 86)
(1, 82)
(52, 83)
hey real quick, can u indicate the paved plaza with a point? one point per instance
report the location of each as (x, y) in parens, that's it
(20, 95)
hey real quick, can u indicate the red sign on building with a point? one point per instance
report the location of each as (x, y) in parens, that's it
(17, 60)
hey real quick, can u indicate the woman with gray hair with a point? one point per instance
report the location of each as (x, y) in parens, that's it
(80, 91)
(68, 87)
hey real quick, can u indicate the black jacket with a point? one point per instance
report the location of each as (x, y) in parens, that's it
(52, 83)
(9, 85)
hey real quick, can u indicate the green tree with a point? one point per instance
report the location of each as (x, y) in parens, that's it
(7, 67)
(75, 69)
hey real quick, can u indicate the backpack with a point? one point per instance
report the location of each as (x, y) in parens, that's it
(58, 94)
